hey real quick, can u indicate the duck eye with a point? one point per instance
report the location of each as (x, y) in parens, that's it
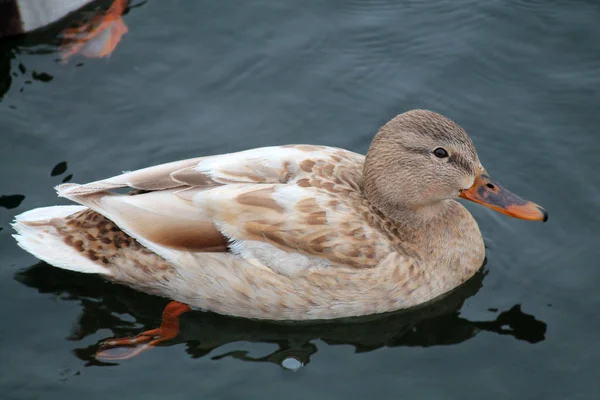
(440, 152)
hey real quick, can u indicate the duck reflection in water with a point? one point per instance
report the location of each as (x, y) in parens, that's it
(436, 323)
(88, 27)
(98, 37)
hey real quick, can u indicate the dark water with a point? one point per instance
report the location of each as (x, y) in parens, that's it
(203, 77)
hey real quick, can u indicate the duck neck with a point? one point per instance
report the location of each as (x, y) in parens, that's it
(422, 217)
(420, 226)
(443, 235)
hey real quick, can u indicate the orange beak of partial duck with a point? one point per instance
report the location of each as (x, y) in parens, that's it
(490, 194)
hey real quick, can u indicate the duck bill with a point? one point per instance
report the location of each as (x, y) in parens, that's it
(490, 194)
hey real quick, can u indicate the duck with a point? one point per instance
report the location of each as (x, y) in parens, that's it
(283, 233)
(96, 38)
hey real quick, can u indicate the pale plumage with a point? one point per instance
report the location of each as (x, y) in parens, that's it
(288, 233)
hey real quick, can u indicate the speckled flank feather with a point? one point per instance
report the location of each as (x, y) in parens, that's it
(93, 244)
(277, 233)
(37, 234)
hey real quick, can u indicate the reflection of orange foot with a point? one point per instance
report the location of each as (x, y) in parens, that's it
(99, 37)
(121, 349)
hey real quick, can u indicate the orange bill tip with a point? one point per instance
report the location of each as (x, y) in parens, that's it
(490, 194)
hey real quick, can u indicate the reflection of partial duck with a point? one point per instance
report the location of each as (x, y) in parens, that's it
(433, 324)
(96, 38)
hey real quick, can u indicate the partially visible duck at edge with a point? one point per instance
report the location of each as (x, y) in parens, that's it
(297, 232)
(97, 38)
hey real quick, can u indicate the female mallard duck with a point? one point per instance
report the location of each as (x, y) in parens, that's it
(97, 38)
(284, 233)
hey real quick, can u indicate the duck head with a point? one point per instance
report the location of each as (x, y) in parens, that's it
(420, 160)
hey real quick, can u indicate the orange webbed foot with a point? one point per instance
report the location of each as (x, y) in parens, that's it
(97, 38)
(124, 348)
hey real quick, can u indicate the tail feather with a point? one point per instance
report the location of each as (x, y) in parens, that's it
(70, 190)
(37, 235)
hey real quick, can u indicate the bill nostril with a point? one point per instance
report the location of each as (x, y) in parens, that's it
(490, 186)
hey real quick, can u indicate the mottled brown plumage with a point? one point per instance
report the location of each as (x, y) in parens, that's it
(291, 232)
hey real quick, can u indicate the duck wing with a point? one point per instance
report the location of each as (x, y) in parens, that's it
(279, 207)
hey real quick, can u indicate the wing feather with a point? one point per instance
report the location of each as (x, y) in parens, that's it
(295, 199)
(275, 164)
